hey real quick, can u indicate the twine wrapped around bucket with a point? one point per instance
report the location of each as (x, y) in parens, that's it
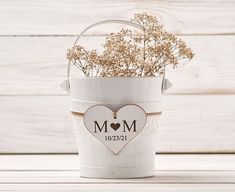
(148, 114)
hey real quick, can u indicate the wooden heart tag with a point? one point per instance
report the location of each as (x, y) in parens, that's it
(115, 129)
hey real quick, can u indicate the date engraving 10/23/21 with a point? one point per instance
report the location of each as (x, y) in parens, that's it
(115, 138)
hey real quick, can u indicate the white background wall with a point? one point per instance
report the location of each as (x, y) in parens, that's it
(199, 111)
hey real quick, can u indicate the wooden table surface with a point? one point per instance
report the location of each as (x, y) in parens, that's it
(173, 173)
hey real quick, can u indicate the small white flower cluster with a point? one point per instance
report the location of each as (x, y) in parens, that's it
(129, 55)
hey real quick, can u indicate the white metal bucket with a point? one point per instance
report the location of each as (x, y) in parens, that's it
(137, 158)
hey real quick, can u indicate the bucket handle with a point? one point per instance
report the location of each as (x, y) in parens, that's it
(66, 85)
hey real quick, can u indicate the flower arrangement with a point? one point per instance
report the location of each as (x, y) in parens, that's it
(126, 54)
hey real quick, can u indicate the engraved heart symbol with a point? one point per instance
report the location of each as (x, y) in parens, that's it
(115, 129)
(115, 126)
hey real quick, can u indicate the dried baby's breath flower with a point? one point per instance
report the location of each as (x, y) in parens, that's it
(129, 55)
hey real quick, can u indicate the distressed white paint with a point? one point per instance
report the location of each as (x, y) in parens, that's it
(41, 70)
(34, 66)
(71, 16)
(116, 126)
(174, 173)
(161, 177)
(163, 162)
(131, 157)
(123, 188)
(202, 123)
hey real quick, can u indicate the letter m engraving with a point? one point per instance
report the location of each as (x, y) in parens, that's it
(97, 126)
(125, 125)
